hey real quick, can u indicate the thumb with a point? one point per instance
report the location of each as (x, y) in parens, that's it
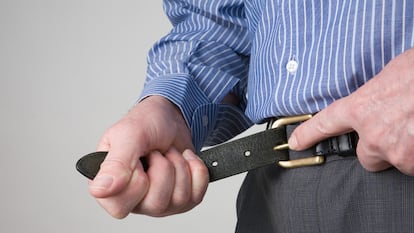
(331, 121)
(116, 170)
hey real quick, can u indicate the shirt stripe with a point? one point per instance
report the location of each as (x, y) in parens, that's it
(242, 47)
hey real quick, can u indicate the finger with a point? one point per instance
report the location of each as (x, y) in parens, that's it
(331, 121)
(182, 188)
(199, 176)
(369, 159)
(161, 177)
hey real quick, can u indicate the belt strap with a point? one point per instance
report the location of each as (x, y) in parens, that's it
(245, 154)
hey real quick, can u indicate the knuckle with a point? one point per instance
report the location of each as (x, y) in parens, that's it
(113, 163)
(181, 198)
(323, 128)
(157, 208)
(117, 168)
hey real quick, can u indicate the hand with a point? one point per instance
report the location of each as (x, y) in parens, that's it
(176, 180)
(381, 112)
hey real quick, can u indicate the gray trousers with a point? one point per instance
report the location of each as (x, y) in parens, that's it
(339, 196)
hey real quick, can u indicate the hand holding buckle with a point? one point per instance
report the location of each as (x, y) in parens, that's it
(294, 163)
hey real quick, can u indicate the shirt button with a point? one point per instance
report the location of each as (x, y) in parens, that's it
(292, 66)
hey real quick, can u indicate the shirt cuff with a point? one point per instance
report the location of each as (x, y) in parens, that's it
(199, 113)
(180, 90)
(209, 122)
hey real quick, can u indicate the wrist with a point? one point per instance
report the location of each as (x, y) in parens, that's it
(171, 111)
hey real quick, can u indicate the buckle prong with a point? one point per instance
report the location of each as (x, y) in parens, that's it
(282, 147)
(294, 163)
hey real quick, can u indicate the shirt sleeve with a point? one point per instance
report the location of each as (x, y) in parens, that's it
(203, 58)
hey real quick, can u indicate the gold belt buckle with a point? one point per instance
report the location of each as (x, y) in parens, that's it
(294, 163)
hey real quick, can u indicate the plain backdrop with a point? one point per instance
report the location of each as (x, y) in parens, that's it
(68, 70)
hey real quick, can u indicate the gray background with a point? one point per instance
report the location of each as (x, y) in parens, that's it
(68, 70)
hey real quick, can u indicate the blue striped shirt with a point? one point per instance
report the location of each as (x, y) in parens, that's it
(279, 57)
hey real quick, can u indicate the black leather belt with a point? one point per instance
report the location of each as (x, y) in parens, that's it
(254, 151)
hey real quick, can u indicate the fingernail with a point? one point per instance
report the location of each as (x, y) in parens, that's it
(189, 155)
(102, 182)
(293, 144)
